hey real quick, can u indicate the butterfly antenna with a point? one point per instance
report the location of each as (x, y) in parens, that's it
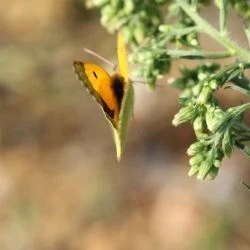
(91, 52)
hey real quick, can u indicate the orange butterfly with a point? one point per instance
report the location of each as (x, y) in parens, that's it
(114, 93)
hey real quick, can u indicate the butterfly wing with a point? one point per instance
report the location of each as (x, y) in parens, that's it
(117, 107)
(98, 83)
(127, 103)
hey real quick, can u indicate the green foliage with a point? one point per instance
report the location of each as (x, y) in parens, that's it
(137, 18)
(156, 44)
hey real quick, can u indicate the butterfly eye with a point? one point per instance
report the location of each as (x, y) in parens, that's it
(95, 75)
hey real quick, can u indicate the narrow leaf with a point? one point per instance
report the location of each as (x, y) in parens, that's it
(240, 89)
(223, 14)
(243, 148)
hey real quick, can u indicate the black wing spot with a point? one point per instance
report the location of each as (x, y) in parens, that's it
(95, 75)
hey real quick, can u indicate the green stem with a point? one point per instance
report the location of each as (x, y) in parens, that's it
(233, 48)
(223, 5)
(230, 117)
(195, 54)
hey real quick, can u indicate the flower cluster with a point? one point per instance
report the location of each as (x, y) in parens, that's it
(156, 63)
(242, 7)
(138, 19)
(217, 131)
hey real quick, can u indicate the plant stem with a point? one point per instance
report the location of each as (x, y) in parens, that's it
(194, 54)
(224, 40)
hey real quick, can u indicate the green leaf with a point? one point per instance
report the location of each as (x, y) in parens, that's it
(223, 5)
(227, 143)
(240, 89)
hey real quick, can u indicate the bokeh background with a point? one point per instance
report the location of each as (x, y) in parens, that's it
(61, 187)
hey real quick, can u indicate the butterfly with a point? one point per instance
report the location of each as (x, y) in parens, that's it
(114, 93)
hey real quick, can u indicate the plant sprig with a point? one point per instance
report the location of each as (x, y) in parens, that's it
(160, 32)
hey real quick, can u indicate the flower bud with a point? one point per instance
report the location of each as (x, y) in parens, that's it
(195, 148)
(139, 33)
(198, 125)
(197, 159)
(201, 76)
(212, 119)
(95, 3)
(204, 169)
(213, 172)
(165, 28)
(213, 84)
(217, 163)
(185, 114)
(129, 6)
(204, 95)
(196, 89)
(194, 170)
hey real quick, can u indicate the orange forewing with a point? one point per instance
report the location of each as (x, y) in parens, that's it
(100, 85)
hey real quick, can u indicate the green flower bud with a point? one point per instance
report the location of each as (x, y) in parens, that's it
(93, 3)
(186, 93)
(196, 89)
(155, 19)
(213, 116)
(193, 41)
(139, 33)
(218, 113)
(184, 115)
(210, 120)
(146, 56)
(165, 28)
(210, 108)
(197, 159)
(201, 76)
(204, 95)
(143, 14)
(195, 148)
(213, 172)
(194, 170)
(204, 170)
(107, 13)
(129, 6)
(198, 125)
(217, 163)
(126, 32)
(213, 84)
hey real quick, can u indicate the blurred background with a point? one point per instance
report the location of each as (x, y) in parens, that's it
(61, 187)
